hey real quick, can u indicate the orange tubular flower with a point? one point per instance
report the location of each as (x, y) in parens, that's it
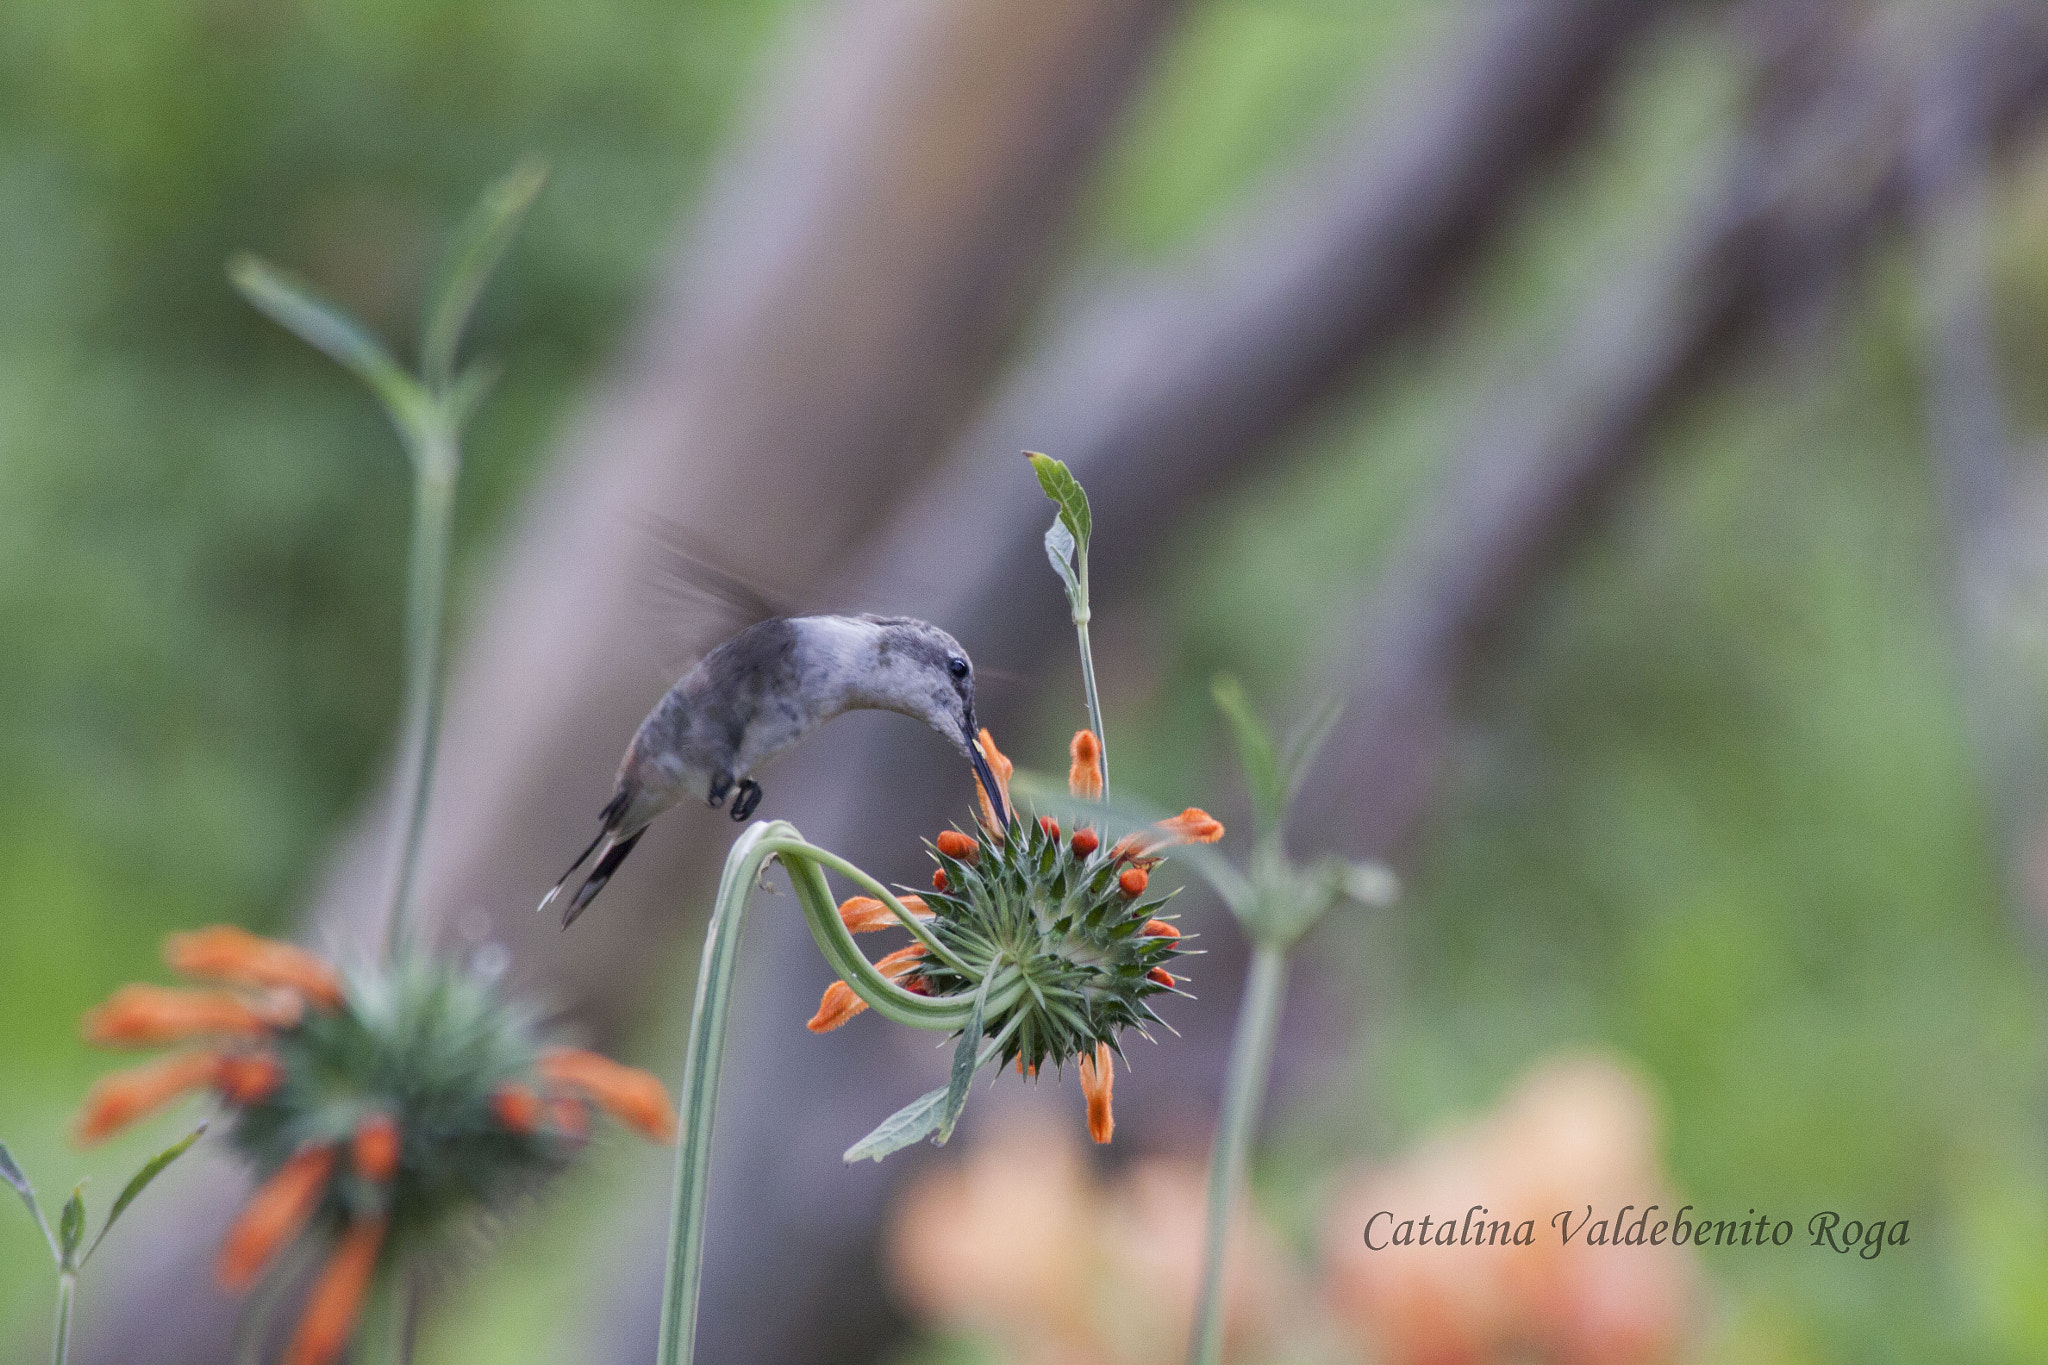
(1002, 768)
(240, 958)
(118, 1100)
(274, 1215)
(246, 1077)
(336, 1299)
(865, 914)
(517, 1107)
(1098, 1080)
(839, 1002)
(376, 1148)
(150, 1016)
(1191, 826)
(630, 1095)
(1084, 777)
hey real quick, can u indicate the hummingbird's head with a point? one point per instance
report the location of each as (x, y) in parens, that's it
(922, 671)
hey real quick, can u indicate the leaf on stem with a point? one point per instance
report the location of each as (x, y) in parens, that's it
(1263, 772)
(478, 245)
(11, 1172)
(139, 1182)
(1065, 490)
(71, 1228)
(966, 1056)
(1305, 742)
(1059, 548)
(912, 1123)
(293, 305)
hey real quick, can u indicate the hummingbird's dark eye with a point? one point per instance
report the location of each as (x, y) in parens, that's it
(957, 665)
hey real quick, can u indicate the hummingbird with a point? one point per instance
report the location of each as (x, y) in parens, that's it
(759, 693)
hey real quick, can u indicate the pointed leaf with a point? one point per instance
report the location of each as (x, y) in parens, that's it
(11, 1172)
(966, 1055)
(140, 1182)
(1262, 772)
(1059, 548)
(293, 305)
(1067, 494)
(1305, 742)
(477, 247)
(71, 1227)
(912, 1123)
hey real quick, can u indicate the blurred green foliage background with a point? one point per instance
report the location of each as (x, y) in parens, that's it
(1720, 804)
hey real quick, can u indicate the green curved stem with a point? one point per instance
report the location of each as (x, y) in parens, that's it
(805, 864)
(1251, 1053)
(859, 877)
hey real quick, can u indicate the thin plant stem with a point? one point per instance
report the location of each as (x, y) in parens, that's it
(67, 1290)
(1094, 702)
(1251, 1054)
(436, 459)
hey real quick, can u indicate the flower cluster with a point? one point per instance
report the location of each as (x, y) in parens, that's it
(378, 1108)
(1067, 920)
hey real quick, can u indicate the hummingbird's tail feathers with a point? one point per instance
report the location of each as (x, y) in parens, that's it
(608, 825)
(607, 863)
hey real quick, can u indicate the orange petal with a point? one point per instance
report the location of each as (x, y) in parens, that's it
(1191, 826)
(274, 1215)
(1132, 880)
(118, 1100)
(246, 1077)
(840, 1002)
(223, 952)
(1159, 928)
(1084, 776)
(336, 1299)
(865, 914)
(1085, 842)
(632, 1096)
(954, 844)
(149, 1016)
(1098, 1080)
(1002, 768)
(376, 1148)
(517, 1108)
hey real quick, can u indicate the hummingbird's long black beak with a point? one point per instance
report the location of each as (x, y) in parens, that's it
(987, 777)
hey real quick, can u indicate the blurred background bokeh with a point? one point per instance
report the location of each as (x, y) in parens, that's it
(1633, 408)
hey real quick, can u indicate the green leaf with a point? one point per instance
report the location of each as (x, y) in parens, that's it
(1065, 490)
(11, 1172)
(1262, 770)
(71, 1228)
(912, 1123)
(1305, 742)
(292, 304)
(474, 252)
(966, 1055)
(1059, 548)
(140, 1182)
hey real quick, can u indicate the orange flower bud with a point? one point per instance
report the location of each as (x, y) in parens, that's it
(1050, 826)
(226, 953)
(1132, 880)
(1086, 841)
(865, 914)
(118, 1100)
(376, 1147)
(1191, 826)
(840, 1003)
(1159, 928)
(1084, 776)
(336, 1299)
(954, 844)
(1098, 1081)
(1161, 975)
(938, 879)
(150, 1016)
(246, 1077)
(517, 1108)
(1002, 768)
(630, 1095)
(274, 1215)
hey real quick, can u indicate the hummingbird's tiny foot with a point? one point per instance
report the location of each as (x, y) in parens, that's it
(748, 797)
(720, 785)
